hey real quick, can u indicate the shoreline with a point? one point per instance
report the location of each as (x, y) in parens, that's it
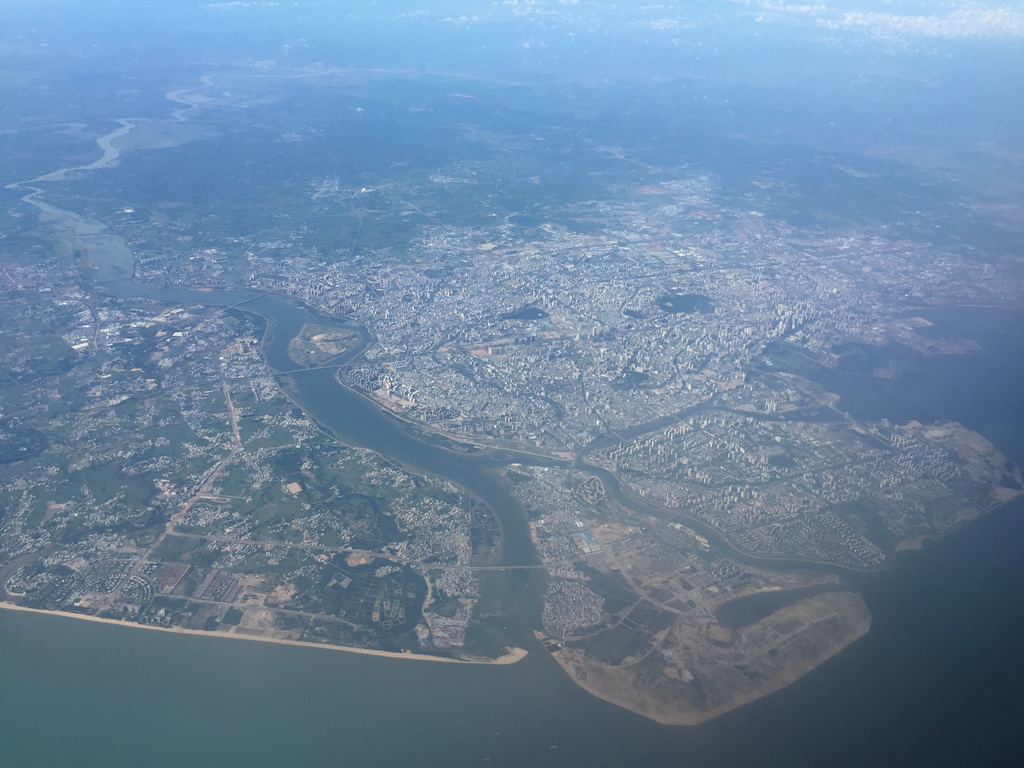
(913, 543)
(511, 656)
(607, 682)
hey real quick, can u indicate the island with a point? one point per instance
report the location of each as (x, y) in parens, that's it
(398, 413)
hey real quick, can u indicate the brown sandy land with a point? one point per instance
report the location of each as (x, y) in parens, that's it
(333, 341)
(256, 621)
(282, 593)
(1003, 495)
(358, 558)
(982, 460)
(318, 342)
(914, 542)
(905, 331)
(52, 508)
(714, 667)
(511, 656)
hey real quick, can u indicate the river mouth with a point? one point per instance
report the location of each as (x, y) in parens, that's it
(510, 604)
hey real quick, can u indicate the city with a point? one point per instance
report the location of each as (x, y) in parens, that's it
(646, 370)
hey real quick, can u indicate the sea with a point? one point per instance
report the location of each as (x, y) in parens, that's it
(939, 679)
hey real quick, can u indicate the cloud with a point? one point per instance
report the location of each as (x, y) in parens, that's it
(967, 19)
(670, 25)
(967, 23)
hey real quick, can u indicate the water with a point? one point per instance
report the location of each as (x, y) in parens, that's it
(984, 392)
(358, 421)
(936, 681)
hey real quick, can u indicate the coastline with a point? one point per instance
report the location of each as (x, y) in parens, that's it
(912, 543)
(511, 656)
(617, 684)
(692, 717)
(111, 153)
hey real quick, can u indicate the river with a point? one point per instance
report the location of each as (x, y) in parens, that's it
(937, 681)
(357, 420)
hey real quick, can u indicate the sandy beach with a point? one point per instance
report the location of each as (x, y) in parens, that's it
(913, 543)
(511, 656)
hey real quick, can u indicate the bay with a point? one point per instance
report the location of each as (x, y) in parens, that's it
(937, 681)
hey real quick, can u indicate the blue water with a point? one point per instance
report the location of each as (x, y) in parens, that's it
(937, 681)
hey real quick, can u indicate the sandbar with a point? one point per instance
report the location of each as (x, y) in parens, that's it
(511, 656)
